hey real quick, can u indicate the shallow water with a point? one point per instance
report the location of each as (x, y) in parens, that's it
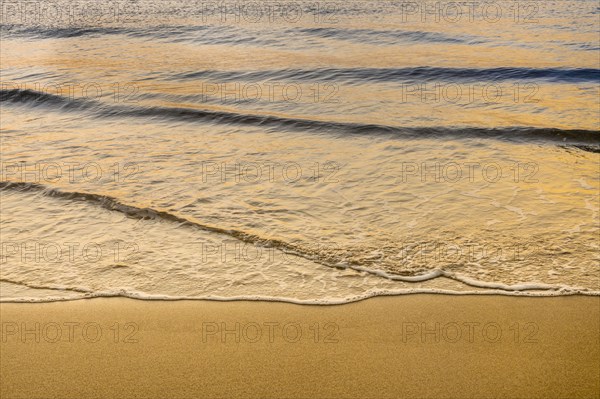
(317, 152)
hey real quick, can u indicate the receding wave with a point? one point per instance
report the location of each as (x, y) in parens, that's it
(329, 260)
(587, 140)
(113, 204)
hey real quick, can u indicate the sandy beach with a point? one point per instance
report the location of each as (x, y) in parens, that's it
(299, 199)
(415, 346)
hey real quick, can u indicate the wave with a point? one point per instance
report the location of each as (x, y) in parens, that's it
(409, 74)
(134, 212)
(386, 36)
(113, 204)
(224, 34)
(32, 97)
(60, 32)
(328, 260)
(202, 34)
(587, 140)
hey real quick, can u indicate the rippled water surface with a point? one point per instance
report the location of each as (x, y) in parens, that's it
(317, 152)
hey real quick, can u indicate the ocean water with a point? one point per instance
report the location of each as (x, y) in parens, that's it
(303, 151)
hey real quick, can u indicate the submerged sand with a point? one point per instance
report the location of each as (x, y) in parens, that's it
(414, 346)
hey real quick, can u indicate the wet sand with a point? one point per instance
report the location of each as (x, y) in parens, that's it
(414, 346)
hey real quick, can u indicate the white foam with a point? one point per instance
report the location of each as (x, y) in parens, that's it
(522, 290)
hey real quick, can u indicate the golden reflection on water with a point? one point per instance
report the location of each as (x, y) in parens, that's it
(546, 197)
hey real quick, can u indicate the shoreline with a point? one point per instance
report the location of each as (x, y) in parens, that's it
(416, 346)
(299, 302)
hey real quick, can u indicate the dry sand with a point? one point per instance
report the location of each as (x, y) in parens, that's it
(378, 348)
